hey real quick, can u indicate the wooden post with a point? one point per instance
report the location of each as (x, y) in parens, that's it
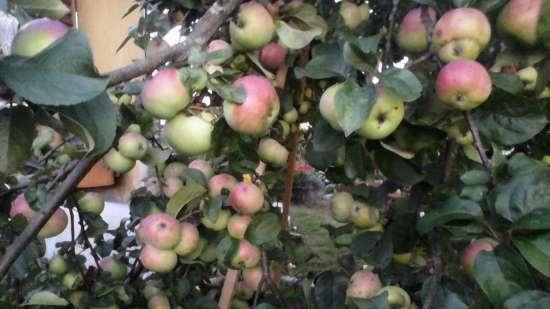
(228, 289)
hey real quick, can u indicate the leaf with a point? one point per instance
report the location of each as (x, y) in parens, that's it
(212, 208)
(265, 306)
(17, 127)
(325, 138)
(528, 300)
(293, 38)
(538, 219)
(326, 62)
(451, 209)
(329, 291)
(54, 9)
(520, 165)
(45, 298)
(536, 250)
(62, 74)
(543, 27)
(376, 302)
(403, 83)
(354, 164)
(94, 122)
(263, 229)
(189, 192)
(397, 169)
(353, 105)
(373, 247)
(508, 82)
(475, 177)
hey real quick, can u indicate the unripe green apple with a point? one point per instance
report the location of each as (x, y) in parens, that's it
(246, 198)
(351, 14)
(272, 56)
(150, 290)
(158, 260)
(397, 297)
(364, 216)
(363, 284)
(116, 268)
(73, 280)
(546, 160)
(152, 185)
(529, 77)
(327, 106)
(403, 258)
(159, 302)
(413, 35)
(469, 254)
(219, 182)
(203, 166)
(220, 223)
(340, 206)
(220, 50)
(189, 239)
(159, 230)
(36, 35)
(291, 116)
(519, 19)
(54, 226)
(133, 128)
(209, 254)
(463, 84)
(461, 34)
(304, 107)
(117, 162)
(271, 152)
(247, 255)
(237, 225)
(58, 265)
(165, 95)
(190, 135)
(91, 202)
(364, 10)
(76, 298)
(132, 145)
(254, 27)
(171, 186)
(460, 132)
(285, 128)
(385, 116)
(174, 169)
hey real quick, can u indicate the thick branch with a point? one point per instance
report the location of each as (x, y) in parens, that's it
(477, 139)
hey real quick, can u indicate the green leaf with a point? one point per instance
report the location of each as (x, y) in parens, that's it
(374, 247)
(536, 250)
(528, 300)
(354, 164)
(543, 27)
(403, 83)
(62, 74)
(397, 169)
(376, 302)
(520, 165)
(265, 306)
(189, 192)
(507, 82)
(353, 105)
(45, 298)
(228, 92)
(263, 229)
(325, 63)
(329, 291)
(17, 127)
(307, 14)
(475, 177)
(538, 219)
(451, 209)
(212, 208)
(54, 9)
(293, 38)
(325, 138)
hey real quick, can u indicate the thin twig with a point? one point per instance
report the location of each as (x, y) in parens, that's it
(418, 60)
(449, 154)
(270, 283)
(258, 291)
(87, 243)
(73, 237)
(51, 152)
(391, 24)
(477, 139)
(136, 270)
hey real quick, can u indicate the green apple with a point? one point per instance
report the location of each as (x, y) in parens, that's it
(340, 206)
(58, 265)
(363, 216)
(219, 224)
(73, 280)
(528, 77)
(91, 202)
(397, 297)
(117, 162)
(291, 116)
(132, 145)
(36, 35)
(385, 116)
(460, 132)
(190, 135)
(272, 152)
(116, 268)
(351, 14)
(254, 28)
(76, 298)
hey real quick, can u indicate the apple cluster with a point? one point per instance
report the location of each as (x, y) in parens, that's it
(131, 146)
(365, 284)
(345, 209)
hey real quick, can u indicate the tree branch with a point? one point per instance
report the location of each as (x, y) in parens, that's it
(434, 284)
(391, 23)
(477, 139)
(266, 274)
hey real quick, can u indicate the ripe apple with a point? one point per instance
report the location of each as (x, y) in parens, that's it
(58, 265)
(254, 27)
(220, 50)
(158, 260)
(244, 291)
(460, 132)
(327, 106)
(171, 186)
(117, 162)
(385, 116)
(174, 169)
(259, 110)
(116, 268)
(271, 152)
(190, 135)
(91, 202)
(463, 84)
(237, 225)
(413, 35)
(55, 225)
(340, 206)
(252, 277)
(220, 223)
(36, 35)
(165, 95)
(397, 297)
(159, 301)
(528, 76)
(203, 243)
(203, 166)
(73, 280)
(461, 34)
(363, 284)
(247, 255)
(469, 254)
(363, 216)
(272, 56)
(159, 230)
(291, 116)
(219, 182)
(519, 19)
(189, 239)
(246, 198)
(351, 14)
(132, 145)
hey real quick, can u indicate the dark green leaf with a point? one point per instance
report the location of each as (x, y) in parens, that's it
(373, 247)
(325, 138)
(475, 177)
(528, 300)
(451, 209)
(376, 302)
(54, 9)
(294, 38)
(507, 82)
(354, 165)
(189, 192)
(403, 83)
(536, 250)
(520, 165)
(538, 219)
(263, 229)
(17, 127)
(212, 208)
(353, 105)
(397, 169)
(329, 291)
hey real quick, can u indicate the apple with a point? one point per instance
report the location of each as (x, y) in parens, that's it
(159, 230)
(73, 280)
(152, 185)
(76, 298)
(291, 116)
(219, 224)
(272, 56)
(218, 52)
(91, 202)
(351, 14)
(469, 254)
(189, 239)
(158, 260)
(259, 110)
(219, 182)
(397, 297)
(58, 265)
(363, 284)
(252, 277)
(254, 27)
(116, 268)
(246, 198)
(133, 128)
(209, 254)
(150, 290)
(385, 116)
(174, 169)
(203, 243)
(340, 206)
(364, 10)
(237, 225)
(304, 107)
(460, 132)
(546, 160)
(203, 166)
(519, 19)
(327, 106)
(244, 291)
(190, 135)
(247, 255)
(112, 306)
(403, 258)
(463, 84)
(54, 226)
(413, 34)
(271, 152)
(132, 145)
(165, 95)
(363, 216)
(461, 34)
(36, 35)
(159, 301)
(171, 186)
(117, 162)
(528, 76)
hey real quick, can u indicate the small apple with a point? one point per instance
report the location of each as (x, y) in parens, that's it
(150, 290)
(159, 301)
(76, 298)
(363, 284)
(116, 268)
(351, 14)
(91, 202)
(546, 160)
(237, 225)
(189, 239)
(363, 216)
(364, 10)
(385, 116)
(203, 166)
(403, 258)
(272, 56)
(304, 107)
(246, 198)
(397, 297)
(158, 260)
(271, 152)
(73, 280)
(171, 186)
(247, 255)
(218, 52)
(469, 254)
(190, 135)
(520, 19)
(58, 265)
(152, 185)
(210, 253)
(165, 95)
(117, 162)
(219, 182)
(132, 145)
(413, 34)
(254, 27)
(463, 84)
(174, 169)
(203, 243)
(54, 226)
(340, 206)
(327, 106)
(252, 277)
(220, 223)
(36, 35)
(291, 116)
(460, 132)
(461, 34)
(159, 230)
(244, 291)
(529, 77)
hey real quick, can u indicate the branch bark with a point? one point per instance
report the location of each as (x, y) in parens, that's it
(477, 140)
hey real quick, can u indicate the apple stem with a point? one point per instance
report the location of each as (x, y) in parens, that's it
(477, 139)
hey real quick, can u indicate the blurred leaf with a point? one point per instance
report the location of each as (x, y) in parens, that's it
(520, 165)
(325, 138)
(189, 192)
(536, 250)
(538, 219)
(263, 229)
(374, 247)
(475, 177)
(451, 209)
(403, 83)
(329, 291)
(294, 38)
(212, 208)
(17, 127)
(45, 298)
(325, 63)
(507, 82)
(203, 302)
(54, 9)
(376, 302)
(354, 164)
(397, 169)
(528, 300)
(353, 105)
